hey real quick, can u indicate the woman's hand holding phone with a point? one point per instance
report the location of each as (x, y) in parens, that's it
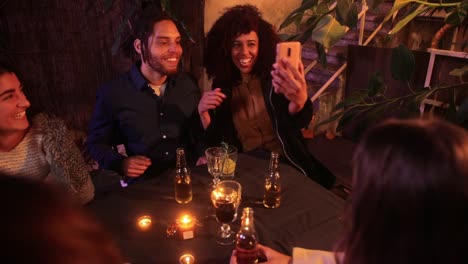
(288, 75)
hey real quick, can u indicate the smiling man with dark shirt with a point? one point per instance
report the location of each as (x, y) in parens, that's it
(151, 110)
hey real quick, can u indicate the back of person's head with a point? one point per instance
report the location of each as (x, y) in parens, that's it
(410, 195)
(236, 21)
(40, 224)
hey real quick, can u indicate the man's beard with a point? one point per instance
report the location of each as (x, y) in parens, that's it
(155, 64)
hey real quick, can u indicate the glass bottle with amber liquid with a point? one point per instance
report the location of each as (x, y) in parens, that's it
(272, 196)
(182, 180)
(246, 239)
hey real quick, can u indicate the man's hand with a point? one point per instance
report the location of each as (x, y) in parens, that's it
(134, 166)
(201, 161)
(210, 100)
(291, 83)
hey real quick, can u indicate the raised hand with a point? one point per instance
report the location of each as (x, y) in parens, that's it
(134, 166)
(210, 100)
(291, 83)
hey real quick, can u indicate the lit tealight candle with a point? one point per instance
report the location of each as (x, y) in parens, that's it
(186, 259)
(186, 226)
(144, 222)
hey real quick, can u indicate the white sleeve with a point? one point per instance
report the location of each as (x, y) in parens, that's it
(308, 256)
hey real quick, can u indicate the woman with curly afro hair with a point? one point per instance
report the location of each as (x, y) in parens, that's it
(256, 103)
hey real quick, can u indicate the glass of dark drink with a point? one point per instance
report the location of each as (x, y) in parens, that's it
(226, 198)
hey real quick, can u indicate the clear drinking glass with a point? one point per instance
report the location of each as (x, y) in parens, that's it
(215, 157)
(226, 198)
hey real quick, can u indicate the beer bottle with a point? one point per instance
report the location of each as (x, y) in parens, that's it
(272, 196)
(182, 180)
(246, 239)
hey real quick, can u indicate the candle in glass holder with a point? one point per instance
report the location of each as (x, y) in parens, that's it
(144, 222)
(187, 259)
(186, 226)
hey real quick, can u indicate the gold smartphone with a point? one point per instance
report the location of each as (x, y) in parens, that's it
(290, 50)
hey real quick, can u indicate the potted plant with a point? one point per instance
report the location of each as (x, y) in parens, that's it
(325, 22)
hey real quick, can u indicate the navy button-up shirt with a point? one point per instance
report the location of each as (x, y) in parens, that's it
(128, 112)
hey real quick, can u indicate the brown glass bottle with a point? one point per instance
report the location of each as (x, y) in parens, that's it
(246, 239)
(272, 196)
(182, 180)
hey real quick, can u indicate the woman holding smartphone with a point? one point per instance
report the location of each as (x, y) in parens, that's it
(255, 102)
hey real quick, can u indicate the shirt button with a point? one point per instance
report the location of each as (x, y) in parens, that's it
(167, 153)
(164, 136)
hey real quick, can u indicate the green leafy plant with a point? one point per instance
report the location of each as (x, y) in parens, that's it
(369, 104)
(327, 21)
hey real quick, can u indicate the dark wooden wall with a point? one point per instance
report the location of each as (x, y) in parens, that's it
(63, 49)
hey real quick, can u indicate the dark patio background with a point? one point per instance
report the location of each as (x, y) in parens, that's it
(63, 49)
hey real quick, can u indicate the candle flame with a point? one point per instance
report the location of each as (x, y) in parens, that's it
(144, 222)
(187, 259)
(186, 219)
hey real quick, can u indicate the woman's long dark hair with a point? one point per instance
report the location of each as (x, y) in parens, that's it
(410, 195)
(238, 20)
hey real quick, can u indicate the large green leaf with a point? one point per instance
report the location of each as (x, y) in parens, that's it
(460, 72)
(291, 19)
(346, 13)
(329, 120)
(307, 4)
(347, 117)
(328, 31)
(306, 35)
(353, 99)
(408, 19)
(322, 55)
(399, 4)
(458, 15)
(376, 84)
(322, 7)
(402, 63)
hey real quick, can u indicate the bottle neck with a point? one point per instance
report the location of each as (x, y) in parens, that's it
(274, 162)
(247, 221)
(180, 159)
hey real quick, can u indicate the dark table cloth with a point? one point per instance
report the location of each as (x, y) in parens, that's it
(309, 215)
